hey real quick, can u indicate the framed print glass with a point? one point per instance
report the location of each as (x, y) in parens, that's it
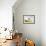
(29, 19)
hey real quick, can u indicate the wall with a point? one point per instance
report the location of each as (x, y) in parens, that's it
(43, 22)
(6, 13)
(30, 31)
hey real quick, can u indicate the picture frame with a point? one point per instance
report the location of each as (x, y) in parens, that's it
(29, 19)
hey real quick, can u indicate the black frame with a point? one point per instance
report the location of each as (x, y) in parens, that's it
(29, 15)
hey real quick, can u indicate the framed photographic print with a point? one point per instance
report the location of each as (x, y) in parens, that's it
(29, 19)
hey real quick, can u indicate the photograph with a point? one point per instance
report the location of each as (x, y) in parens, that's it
(29, 19)
(22, 22)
